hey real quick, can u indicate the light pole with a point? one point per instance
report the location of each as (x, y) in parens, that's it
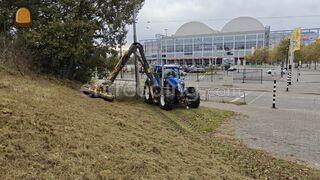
(136, 67)
(121, 57)
(215, 56)
(166, 31)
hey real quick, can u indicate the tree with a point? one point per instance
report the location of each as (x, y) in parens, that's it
(248, 57)
(308, 54)
(314, 52)
(67, 35)
(281, 52)
(259, 56)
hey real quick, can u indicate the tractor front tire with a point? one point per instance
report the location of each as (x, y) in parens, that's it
(193, 98)
(165, 103)
(194, 104)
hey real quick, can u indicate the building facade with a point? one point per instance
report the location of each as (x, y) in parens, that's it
(195, 43)
(308, 36)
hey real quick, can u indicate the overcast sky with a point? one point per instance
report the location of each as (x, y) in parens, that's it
(157, 15)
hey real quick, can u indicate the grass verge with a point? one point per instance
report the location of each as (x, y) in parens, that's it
(49, 130)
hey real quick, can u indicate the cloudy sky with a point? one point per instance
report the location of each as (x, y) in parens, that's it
(158, 15)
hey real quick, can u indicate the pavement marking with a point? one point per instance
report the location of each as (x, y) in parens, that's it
(202, 77)
(237, 99)
(258, 97)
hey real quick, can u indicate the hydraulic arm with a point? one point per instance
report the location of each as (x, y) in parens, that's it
(103, 90)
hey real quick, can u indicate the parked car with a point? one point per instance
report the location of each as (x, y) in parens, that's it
(196, 69)
(232, 69)
(284, 71)
(185, 69)
(182, 73)
(269, 71)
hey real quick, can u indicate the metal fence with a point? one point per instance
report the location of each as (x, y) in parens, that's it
(238, 76)
(227, 95)
(126, 88)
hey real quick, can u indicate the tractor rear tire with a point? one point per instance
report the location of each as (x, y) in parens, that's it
(147, 94)
(165, 103)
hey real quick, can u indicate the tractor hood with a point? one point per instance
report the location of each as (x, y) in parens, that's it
(176, 83)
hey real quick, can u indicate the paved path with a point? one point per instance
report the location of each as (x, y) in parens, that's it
(286, 133)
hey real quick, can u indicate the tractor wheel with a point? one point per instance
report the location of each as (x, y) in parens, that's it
(147, 94)
(165, 103)
(195, 104)
(195, 101)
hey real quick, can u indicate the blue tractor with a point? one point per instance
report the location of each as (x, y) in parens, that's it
(163, 85)
(168, 89)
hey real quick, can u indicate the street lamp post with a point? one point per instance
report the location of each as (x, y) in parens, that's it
(166, 31)
(135, 56)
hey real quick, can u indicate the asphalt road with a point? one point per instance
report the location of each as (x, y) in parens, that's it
(289, 134)
(292, 101)
(291, 131)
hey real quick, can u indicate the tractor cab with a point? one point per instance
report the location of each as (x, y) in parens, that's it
(169, 71)
(170, 88)
(171, 77)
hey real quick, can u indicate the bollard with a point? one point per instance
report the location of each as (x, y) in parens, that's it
(288, 83)
(197, 76)
(290, 75)
(274, 94)
(290, 78)
(298, 74)
(243, 75)
(211, 74)
(261, 77)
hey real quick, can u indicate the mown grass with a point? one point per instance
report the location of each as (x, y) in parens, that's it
(202, 120)
(49, 130)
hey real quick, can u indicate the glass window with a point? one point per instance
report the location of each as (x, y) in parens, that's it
(240, 42)
(218, 39)
(239, 45)
(179, 48)
(228, 39)
(261, 36)
(251, 37)
(260, 44)
(163, 46)
(170, 42)
(207, 47)
(251, 44)
(188, 48)
(207, 40)
(188, 41)
(240, 38)
(179, 45)
(228, 46)
(188, 45)
(170, 45)
(198, 44)
(170, 48)
(207, 44)
(219, 46)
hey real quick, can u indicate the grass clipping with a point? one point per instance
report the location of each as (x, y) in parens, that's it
(51, 131)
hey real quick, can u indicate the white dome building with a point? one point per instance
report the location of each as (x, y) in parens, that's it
(194, 28)
(195, 43)
(243, 24)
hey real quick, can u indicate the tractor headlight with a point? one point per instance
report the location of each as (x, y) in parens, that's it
(180, 88)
